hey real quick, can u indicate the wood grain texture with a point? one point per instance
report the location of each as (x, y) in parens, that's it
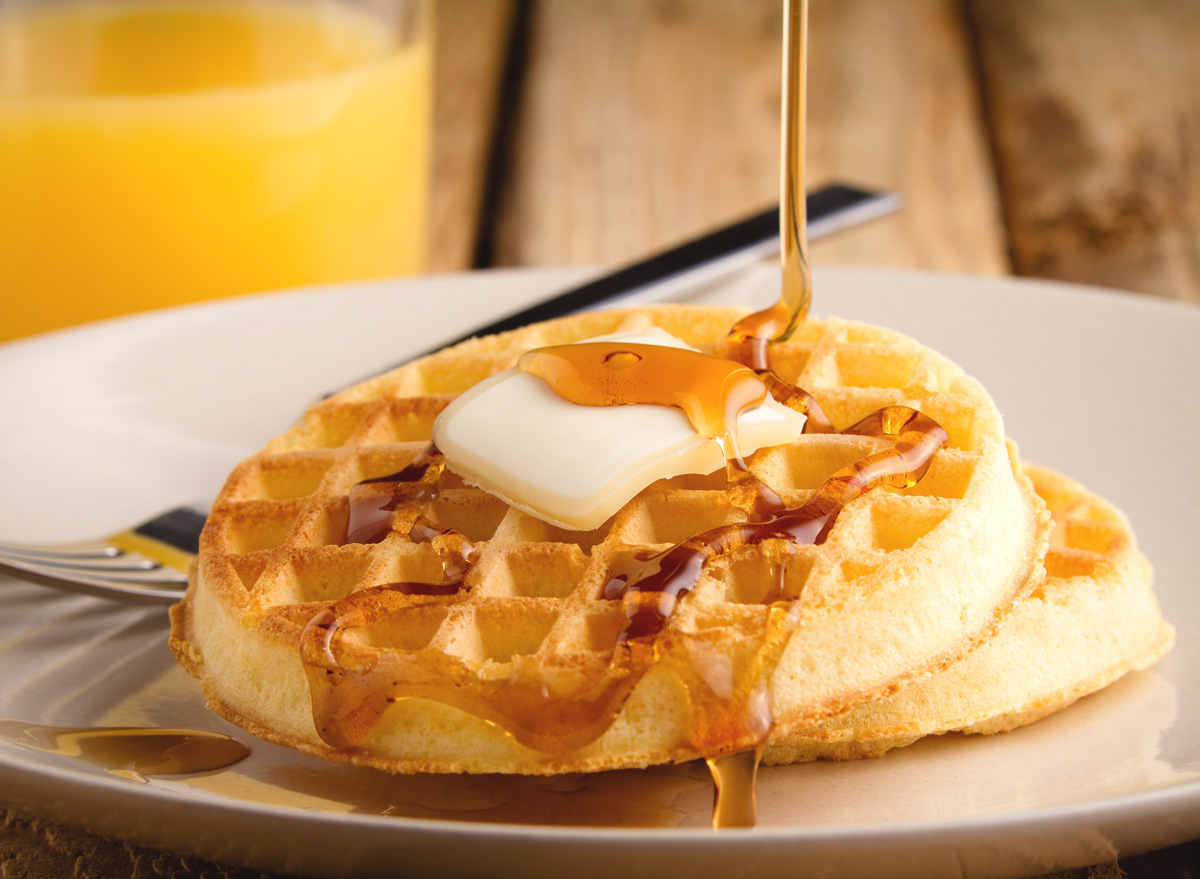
(644, 121)
(893, 103)
(473, 38)
(1095, 108)
(33, 848)
(641, 122)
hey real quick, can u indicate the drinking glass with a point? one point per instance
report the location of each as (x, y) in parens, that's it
(158, 152)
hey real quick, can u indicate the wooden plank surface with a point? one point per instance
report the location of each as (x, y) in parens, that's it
(473, 38)
(1095, 108)
(632, 133)
(644, 122)
(893, 103)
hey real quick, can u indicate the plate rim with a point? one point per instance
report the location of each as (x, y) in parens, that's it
(1141, 806)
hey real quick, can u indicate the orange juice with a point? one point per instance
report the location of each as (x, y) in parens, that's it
(155, 152)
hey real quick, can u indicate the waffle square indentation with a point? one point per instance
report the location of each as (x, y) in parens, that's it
(856, 569)
(789, 363)
(328, 577)
(602, 626)
(1067, 563)
(327, 526)
(673, 518)
(413, 421)
(248, 569)
(409, 563)
(376, 461)
(528, 529)
(470, 512)
(408, 629)
(470, 369)
(807, 464)
(292, 476)
(262, 526)
(960, 422)
(868, 366)
(503, 630)
(898, 523)
(753, 578)
(334, 427)
(1097, 537)
(543, 572)
(948, 475)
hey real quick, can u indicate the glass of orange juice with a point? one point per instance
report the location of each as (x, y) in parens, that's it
(157, 152)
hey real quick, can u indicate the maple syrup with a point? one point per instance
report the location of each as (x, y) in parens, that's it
(728, 684)
(656, 797)
(349, 701)
(734, 803)
(374, 502)
(750, 337)
(131, 752)
(710, 391)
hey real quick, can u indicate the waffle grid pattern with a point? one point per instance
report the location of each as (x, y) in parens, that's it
(273, 549)
(1093, 620)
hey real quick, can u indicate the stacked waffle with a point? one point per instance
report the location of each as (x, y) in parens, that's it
(335, 648)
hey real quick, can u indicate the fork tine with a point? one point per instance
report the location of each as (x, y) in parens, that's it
(144, 576)
(100, 550)
(114, 561)
(146, 591)
(147, 562)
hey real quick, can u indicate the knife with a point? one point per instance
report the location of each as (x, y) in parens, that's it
(697, 262)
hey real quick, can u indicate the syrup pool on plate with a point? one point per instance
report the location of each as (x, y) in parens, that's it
(131, 752)
(153, 154)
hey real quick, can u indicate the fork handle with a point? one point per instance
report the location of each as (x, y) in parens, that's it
(179, 528)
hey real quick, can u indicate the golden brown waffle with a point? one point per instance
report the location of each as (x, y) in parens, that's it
(1093, 620)
(907, 582)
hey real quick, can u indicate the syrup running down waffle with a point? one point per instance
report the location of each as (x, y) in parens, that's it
(475, 637)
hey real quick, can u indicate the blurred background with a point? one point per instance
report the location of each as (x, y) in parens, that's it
(158, 153)
(1051, 138)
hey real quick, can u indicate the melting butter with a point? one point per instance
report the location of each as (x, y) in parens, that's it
(574, 465)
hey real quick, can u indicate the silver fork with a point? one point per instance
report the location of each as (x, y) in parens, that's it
(150, 561)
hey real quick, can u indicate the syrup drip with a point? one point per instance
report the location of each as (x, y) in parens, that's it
(734, 803)
(727, 678)
(374, 502)
(728, 681)
(711, 391)
(750, 337)
(800, 400)
(131, 752)
(392, 505)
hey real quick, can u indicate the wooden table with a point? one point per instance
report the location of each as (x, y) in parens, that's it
(1051, 138)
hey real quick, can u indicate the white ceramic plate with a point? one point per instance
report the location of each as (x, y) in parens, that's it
(106, 424)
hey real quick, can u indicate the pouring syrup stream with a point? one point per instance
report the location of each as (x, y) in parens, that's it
(732, 722)
(750, 337)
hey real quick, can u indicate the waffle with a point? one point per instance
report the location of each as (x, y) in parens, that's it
(906, 582)
(1093, 620)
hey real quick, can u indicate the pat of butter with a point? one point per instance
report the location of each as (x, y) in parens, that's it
(574, 466)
